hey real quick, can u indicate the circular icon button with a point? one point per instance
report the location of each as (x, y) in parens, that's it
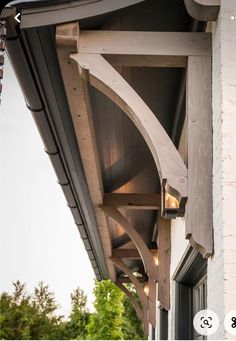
(230, 322)
(206, 322)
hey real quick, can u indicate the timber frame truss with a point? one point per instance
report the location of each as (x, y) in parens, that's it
(85, 58)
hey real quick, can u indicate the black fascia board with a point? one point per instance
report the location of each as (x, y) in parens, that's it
(34, 58)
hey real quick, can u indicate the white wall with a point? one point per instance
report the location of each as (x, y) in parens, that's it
(222, 266)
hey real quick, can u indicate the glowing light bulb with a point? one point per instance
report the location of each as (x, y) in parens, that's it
(146, 289)
(156, 260)
(170, 201)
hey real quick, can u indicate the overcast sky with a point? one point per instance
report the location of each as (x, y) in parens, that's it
(39, 240)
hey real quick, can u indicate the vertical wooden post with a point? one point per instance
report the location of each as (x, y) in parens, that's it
(145, 321)
(164, 249)
(152, 302)
(199, 110)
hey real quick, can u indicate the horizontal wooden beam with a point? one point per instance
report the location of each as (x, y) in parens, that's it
(133, 200)
(121, 279)
(126, 253)
(145, 43)
(147, 61)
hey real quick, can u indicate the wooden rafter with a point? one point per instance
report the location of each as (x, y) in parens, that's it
(80, 107)
(145, 254)
(126, 253)
(133, 200)
(106, 79)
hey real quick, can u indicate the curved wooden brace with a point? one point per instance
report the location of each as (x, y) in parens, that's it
(138, 286)
(145, 254)
(203, 10)
(132, 299)
(95, 69)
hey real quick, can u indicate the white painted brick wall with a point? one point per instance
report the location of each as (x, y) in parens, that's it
(222, 266)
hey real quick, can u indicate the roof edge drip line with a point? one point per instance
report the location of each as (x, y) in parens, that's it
(23, 69)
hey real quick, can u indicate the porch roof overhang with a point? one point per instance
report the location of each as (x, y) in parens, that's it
(32, 50)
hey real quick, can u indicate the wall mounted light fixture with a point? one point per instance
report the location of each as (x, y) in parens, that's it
(170, 205)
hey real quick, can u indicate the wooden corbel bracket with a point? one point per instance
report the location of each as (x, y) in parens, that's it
(138, 286)
(138, 309)
(203, 10)
(100, 74)
(147, 300)
(145, 254)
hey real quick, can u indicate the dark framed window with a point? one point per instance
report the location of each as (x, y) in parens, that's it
(190, 294)
(163, 324)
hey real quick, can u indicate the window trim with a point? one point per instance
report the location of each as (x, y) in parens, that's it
(192, 268)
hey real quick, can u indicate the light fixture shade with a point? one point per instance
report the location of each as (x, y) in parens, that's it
(170, 205)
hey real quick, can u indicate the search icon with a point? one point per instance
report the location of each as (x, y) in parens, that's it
(206, 322)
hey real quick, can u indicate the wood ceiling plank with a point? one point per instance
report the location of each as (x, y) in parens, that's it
(126, 253)
(138, 201)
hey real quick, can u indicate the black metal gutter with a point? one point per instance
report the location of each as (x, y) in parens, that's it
(33, 56)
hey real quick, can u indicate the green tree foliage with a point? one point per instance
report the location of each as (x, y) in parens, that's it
(79, 317)
(25, 316)
(34, 317)
(106, 323)
(132, 328)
